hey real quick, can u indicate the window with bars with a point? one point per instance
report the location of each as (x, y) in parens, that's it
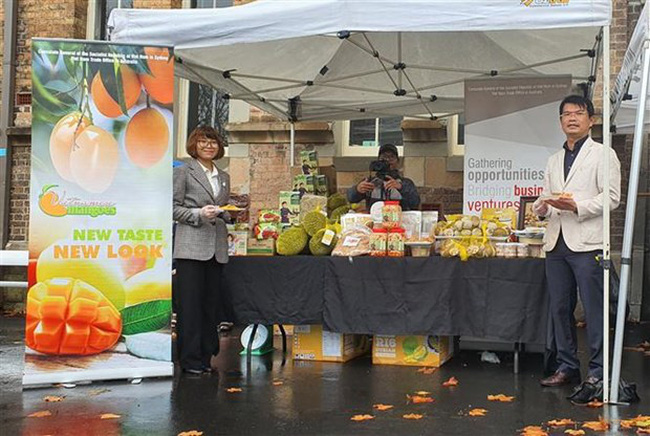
(207, 107)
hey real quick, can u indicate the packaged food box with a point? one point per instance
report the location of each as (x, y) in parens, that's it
(311, 342)
(256, 247)
(321, 184)
(237, 243)
(289, 207)
(350, 220)
(267, 230)
(303, 184)
(412, 350)
(269, 216)
(412, 225)
(429, 222)
(309, 162)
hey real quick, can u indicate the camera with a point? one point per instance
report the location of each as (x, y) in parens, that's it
(382, 171)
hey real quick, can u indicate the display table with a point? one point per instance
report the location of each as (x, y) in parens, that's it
(502, 299)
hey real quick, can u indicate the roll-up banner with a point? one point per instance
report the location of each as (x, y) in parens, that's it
(512, 127)
(99, 300)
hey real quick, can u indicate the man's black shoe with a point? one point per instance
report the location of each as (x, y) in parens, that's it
(560, 379)
(192, 371)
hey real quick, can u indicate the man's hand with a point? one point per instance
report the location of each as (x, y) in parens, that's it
(392, 183)
(365, 187)
(542, 210)
(563, 203)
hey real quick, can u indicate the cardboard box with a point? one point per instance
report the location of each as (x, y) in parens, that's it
(311, 342)
(288, 329)
(330, 173)
(264, 247)
(237, 243)
(412, 350)
(289, 206)
(304, 184)
(321, 185)
(309, 162)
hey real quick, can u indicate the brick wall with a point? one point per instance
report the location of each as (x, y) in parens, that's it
(2, 41)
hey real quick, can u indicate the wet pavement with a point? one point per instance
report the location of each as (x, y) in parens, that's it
(307, 397)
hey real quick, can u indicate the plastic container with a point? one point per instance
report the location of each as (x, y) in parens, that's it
(396, 242)
(420, 249)
(391, 215)
(522, 250)
(378, 242)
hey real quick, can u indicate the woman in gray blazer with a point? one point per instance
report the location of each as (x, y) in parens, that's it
(200, 248)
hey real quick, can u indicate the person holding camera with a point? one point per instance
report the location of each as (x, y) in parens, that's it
(386, 183)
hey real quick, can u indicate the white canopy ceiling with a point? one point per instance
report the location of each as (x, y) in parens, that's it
(629, 78)
(346, 59)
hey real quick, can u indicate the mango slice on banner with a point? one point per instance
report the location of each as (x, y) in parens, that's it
(68, 316)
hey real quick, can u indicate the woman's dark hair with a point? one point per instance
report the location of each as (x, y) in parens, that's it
(204, 132)
(579, 101)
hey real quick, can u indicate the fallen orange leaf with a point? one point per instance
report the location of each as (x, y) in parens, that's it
(575, 432)
(382, 407)
(41, 414)
(600, 425)
(477, 412)
(595, 404)
(581, 324)
(645, 344)
(643, 431)
(627, 424)
(560, 422)
(233, 390)
(412, 416)
(533, 430)
(362, 417)
(451, 382)
(500, 397)
(278, 383)
(423, 393)
(52, 399)
(191, 433)
(639, 349)
(427, 370)
(418, 399)
(110, 416)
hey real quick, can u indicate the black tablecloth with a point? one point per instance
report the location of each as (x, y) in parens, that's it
(492, 298)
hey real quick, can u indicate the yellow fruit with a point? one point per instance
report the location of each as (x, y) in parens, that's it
(160, 84)
(105, 103)
(103, 274)
(94, 159)
(150, 284)
(420, 353)
(147, 138)
(62, 139)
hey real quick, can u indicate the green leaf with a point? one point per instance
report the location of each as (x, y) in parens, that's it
(120, 87)
(146, 317)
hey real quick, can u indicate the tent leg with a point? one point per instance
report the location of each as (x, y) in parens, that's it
(606, 212)
(292, 146)
(628, 233)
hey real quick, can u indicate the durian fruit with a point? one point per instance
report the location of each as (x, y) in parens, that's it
(335, 201)
(292, 242)
(338, 212)
(317, 248)
(313, 222)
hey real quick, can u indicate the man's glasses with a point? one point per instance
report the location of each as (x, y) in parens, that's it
(388, 157)
(567, 114)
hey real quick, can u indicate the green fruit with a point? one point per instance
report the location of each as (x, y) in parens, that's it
(292, 242)
(313, 222)
(317, 248)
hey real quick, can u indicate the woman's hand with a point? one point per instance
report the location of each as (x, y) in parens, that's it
(391, 183)
(365, 187)
(209, 212)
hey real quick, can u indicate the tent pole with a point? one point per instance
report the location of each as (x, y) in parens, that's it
(628, 233)
(292, 145)
(606, 212)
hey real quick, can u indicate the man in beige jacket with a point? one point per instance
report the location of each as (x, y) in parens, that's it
(572, 201)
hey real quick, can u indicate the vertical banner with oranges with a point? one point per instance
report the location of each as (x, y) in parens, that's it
(99, 300)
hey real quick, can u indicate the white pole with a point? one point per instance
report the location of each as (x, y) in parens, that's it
(606, 212)
(292, 144)
(628, 233)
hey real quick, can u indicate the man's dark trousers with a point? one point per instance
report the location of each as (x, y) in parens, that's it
(567, 270)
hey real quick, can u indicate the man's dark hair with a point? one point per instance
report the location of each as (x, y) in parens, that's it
(388, 148)
(580, 101)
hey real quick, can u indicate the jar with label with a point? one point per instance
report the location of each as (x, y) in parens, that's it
(378, 242)
(396, 242)
(391, 215)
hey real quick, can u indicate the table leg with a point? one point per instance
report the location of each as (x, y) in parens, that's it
(284, 338)
(250, 342)
(517, 347)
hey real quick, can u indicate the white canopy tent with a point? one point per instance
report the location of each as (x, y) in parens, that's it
(349, 59)
(630, 104)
